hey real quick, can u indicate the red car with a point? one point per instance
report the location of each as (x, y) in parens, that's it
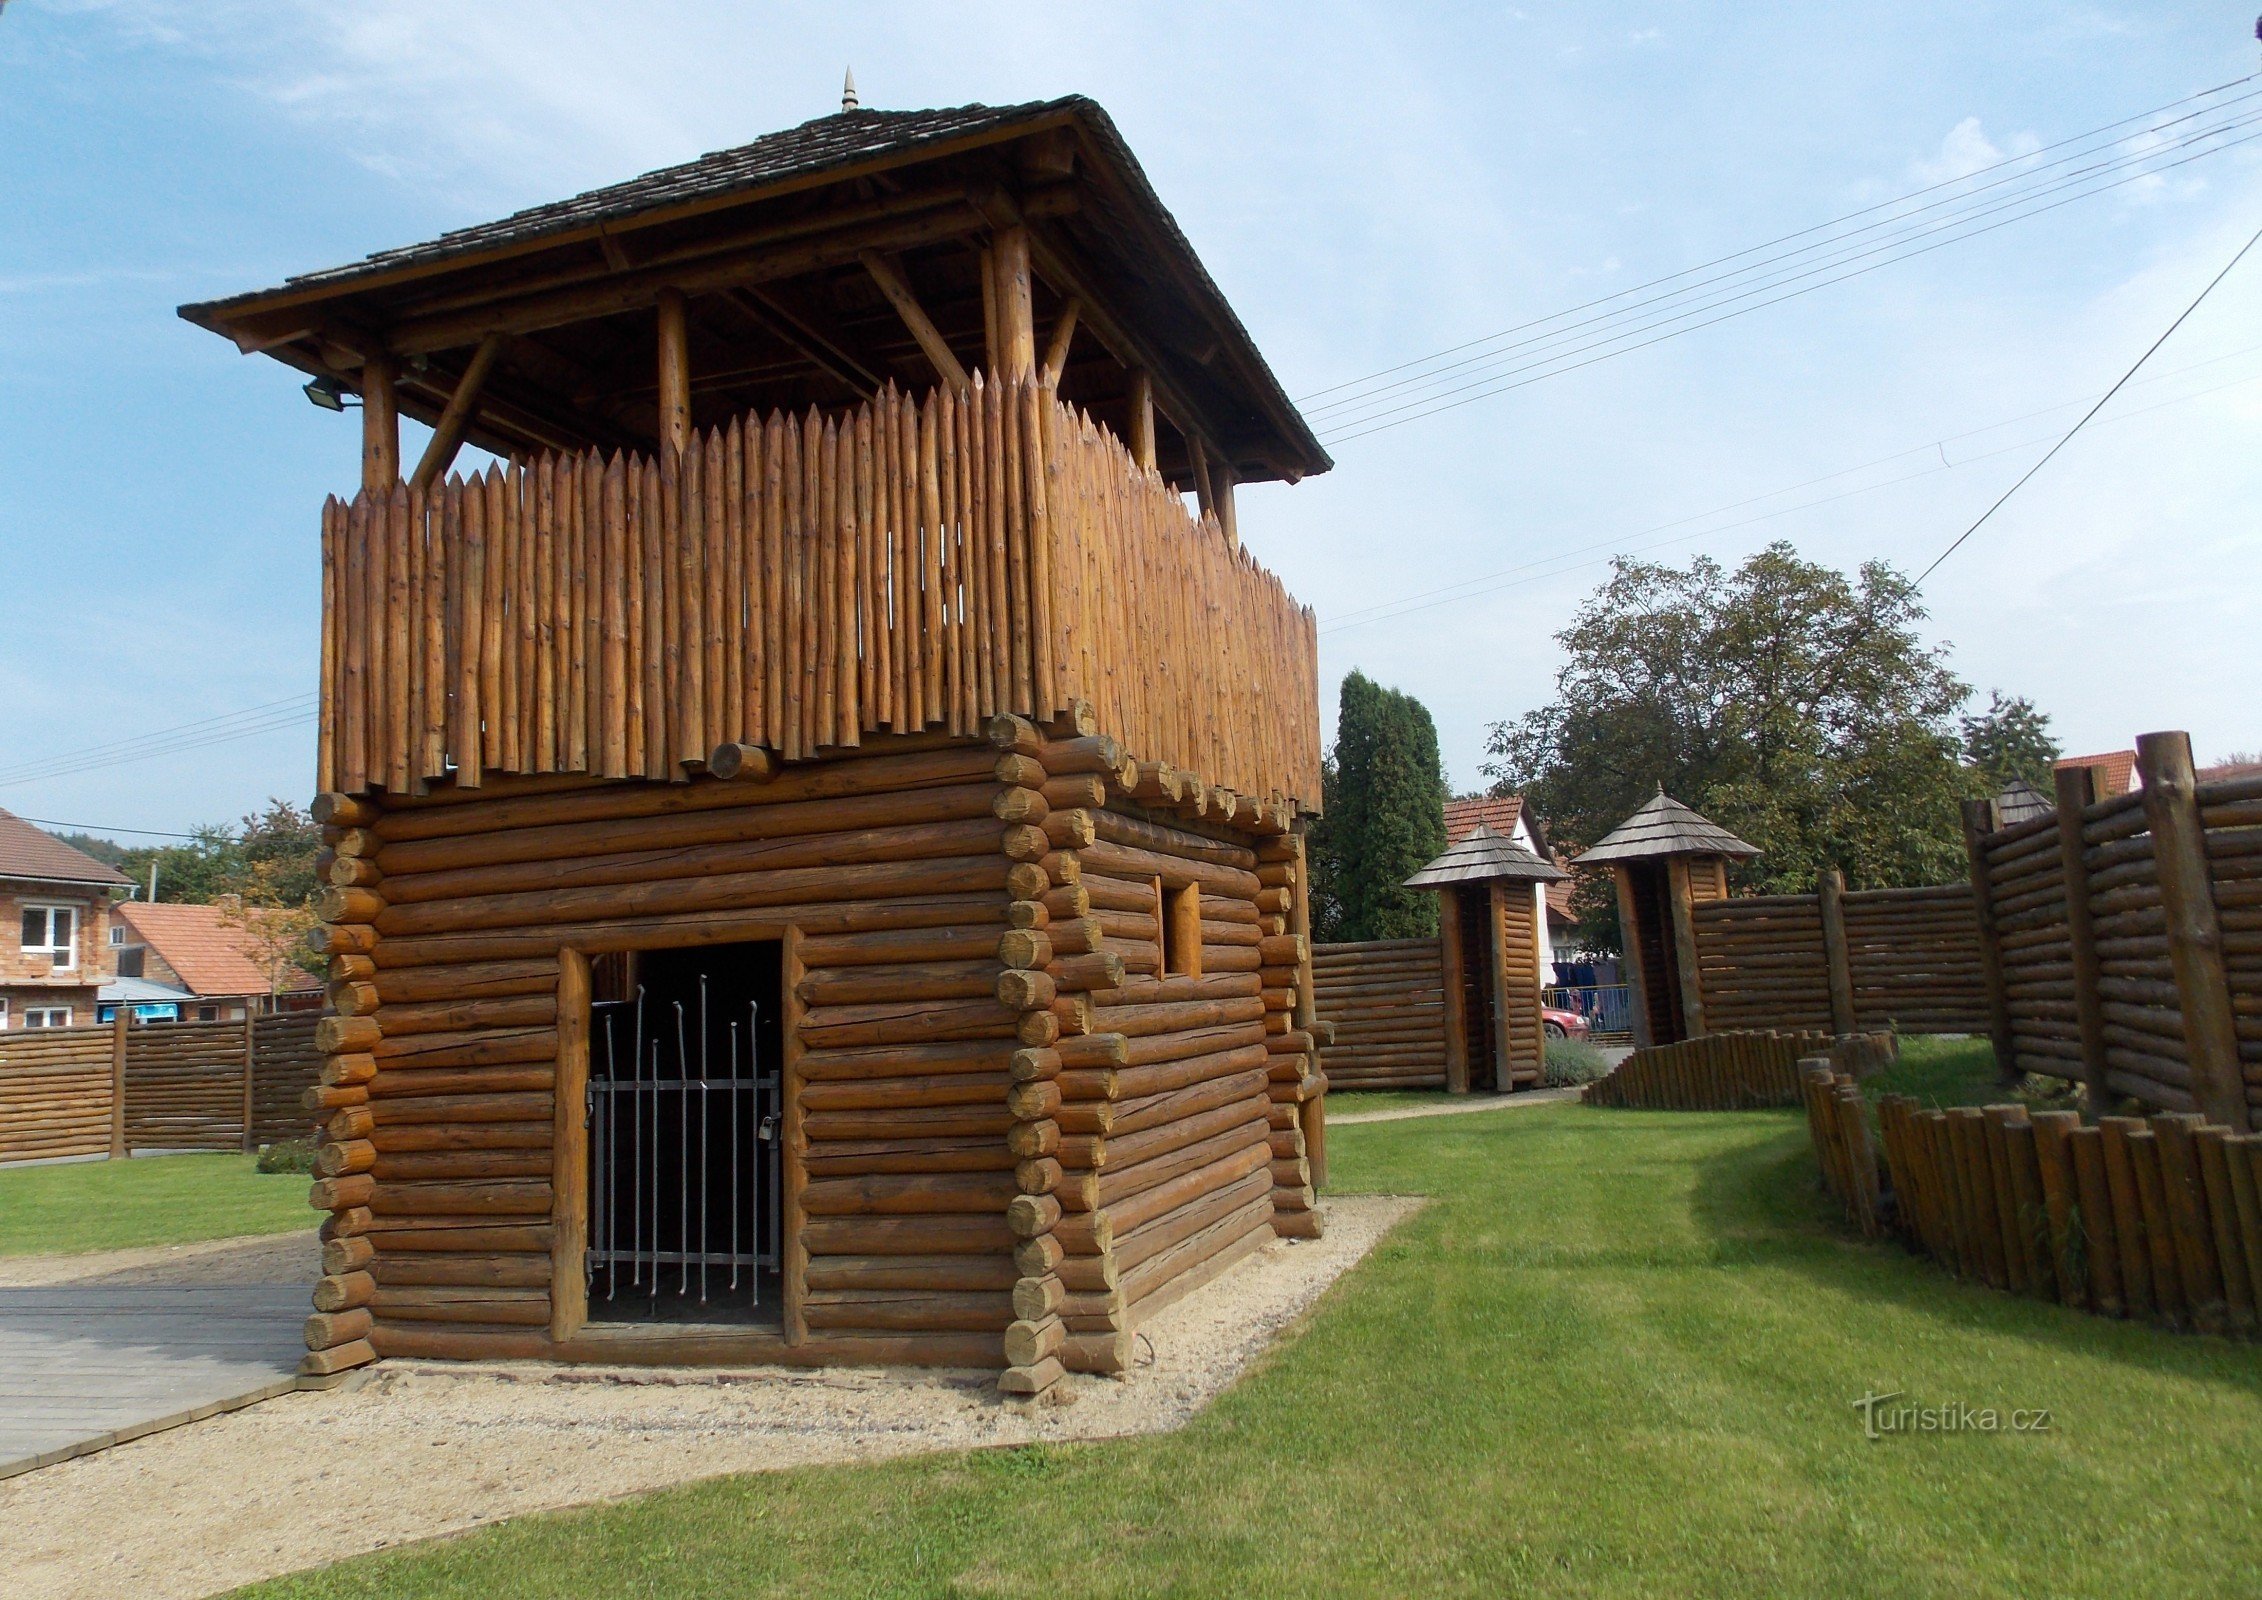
(1562, 1024)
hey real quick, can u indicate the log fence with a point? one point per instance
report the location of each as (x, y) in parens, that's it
(1731, 1071)
(801, 583)
(1386, 998)
(115, 1089)
(2151, 1219)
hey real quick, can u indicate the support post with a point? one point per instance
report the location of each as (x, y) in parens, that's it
(932, 344)
(2195, 935)
(793, 1149)
(1063, 335)
(1831, 891)
(1503, 1048)
(1979, 822)
(569, 1151)
(1221, 486)
(1311, 1113)
(675, 372)
(1142, 440)
(1204, 495)
(1638, 977)
(455, 420)
(1682, 900)
(250, 1071)
(2077, 787)
(1456, 985)
(1016, 319)
(380, 425)
(121, 1020)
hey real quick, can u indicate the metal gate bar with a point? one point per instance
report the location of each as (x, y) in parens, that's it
(654, 1083)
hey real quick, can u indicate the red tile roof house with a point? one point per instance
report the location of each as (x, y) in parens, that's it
(191, 947)
(54, 928)
(1508, 816)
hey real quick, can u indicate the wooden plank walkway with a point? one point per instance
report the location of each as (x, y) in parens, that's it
(86, 1366)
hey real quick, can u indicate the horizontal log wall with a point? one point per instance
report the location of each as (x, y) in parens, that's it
(1730, 1071)
(2152, 1219)
(184, 1085)
(1912, 957)
(55, 1093)
(2143, 1039)
(1386, 999)
(803, 583)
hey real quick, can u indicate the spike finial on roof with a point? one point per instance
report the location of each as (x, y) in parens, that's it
(848, 100)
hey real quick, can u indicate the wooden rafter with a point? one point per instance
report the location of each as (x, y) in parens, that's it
(892, 283)
(448, 432)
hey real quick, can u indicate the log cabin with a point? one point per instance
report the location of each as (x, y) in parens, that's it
(816, 827)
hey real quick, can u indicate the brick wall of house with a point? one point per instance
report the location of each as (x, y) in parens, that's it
(27, 982)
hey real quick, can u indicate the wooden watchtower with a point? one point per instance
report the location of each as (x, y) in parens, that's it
(817, 829)
(1666, 859)
(1491, 919)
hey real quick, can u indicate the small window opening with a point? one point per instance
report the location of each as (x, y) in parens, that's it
(1179, 911)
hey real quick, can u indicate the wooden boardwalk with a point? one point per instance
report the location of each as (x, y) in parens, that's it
(86, 1366)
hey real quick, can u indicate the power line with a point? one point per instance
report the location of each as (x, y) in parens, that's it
(1958, 542)
(226, 728)
(96, 827)
(1517, 576)
(1613, 344)
(1663, 310)
(1801, 233)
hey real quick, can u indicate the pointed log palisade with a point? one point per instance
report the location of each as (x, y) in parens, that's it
(818, 821)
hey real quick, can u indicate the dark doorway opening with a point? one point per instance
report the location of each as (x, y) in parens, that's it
(1475, 998)
(686, 1135)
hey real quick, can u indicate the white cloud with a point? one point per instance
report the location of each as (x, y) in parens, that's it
(1967, 150)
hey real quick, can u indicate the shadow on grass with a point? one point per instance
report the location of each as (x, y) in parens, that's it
(1774, 1210)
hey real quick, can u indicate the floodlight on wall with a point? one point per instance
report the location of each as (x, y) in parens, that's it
(329, 394)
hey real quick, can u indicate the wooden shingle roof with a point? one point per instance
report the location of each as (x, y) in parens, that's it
(1485, 857)
(1665, 827)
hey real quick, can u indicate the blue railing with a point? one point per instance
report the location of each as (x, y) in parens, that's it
(1608, 1008)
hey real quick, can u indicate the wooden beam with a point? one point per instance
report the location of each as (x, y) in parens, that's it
(1837, 957)
(1063, 335)
(1198, 459)
(1503, 1035)
(1638, 976)
(1142, 440)
(569, 1149)
(1979, 821)
(1016, 318)
(2194, 927)
(635, 291)
(1455, 982)
(892, 283)
(1221, 487)
(675, 372)
(448, 432)
(1682, 903)
(380, 425)
(787, 326)
(2077, 788)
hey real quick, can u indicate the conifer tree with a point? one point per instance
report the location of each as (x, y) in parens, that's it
(1384, 793)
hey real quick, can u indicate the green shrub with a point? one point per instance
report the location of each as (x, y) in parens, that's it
(1567, 1063)
(287, 1155)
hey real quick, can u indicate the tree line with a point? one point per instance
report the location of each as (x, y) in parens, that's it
(1795, 705)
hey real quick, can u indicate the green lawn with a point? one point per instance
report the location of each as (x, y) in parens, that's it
(1946, 1071)
(111, 1205)
(1344, 1102)
(1618, 1357)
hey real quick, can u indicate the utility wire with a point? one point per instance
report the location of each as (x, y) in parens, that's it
(1958, 542)
(1612, 345)
(1662, 310)
(203, 733)
(1527, 572)
(96, 827)
(1801, 233)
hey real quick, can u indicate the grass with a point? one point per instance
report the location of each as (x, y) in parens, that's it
(1945, 1070)
(114, 1205)
(1617, 1357)
(1346, 1102)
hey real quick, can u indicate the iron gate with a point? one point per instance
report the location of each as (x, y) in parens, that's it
(685, 1179)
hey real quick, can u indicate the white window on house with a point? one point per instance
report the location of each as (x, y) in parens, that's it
(3, 1011)
(47, 1016)
(117, 933)
(52, 931)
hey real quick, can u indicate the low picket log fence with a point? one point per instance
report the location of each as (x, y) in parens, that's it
(114, 1088)
(1731, 1071)
(2155, 1219)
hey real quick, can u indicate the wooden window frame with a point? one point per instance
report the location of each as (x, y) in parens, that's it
(1178, 928)
(65, 1012)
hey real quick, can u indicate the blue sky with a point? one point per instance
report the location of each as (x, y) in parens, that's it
(1368, 183)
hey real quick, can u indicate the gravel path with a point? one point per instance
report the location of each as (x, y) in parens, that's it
(419, 1449)
(268, 1258)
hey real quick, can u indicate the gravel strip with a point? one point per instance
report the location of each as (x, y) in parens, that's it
(420, 1449)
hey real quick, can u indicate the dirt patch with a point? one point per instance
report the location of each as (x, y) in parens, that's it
(419, 1449)
(1460, 1106)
